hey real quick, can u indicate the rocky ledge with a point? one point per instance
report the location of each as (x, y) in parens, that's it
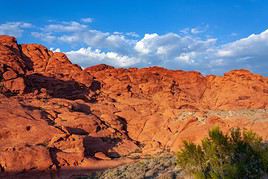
(55, 115)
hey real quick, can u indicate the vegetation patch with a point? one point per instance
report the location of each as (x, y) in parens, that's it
(237, 154)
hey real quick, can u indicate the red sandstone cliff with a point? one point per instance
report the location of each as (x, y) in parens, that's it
(70, 117)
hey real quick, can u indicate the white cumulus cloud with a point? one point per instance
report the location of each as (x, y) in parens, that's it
(87, 57)
(255, 45)
(14, 28)
(87, 20)
(72, 26)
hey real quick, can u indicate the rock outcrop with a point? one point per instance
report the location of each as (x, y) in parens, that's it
(75, 118)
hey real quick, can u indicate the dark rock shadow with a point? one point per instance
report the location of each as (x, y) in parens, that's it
(57, 88)
(76, 131)
(44, 114)
(27, 60)
(96, 85)
(123, 122)
(79, 107)
(100, 144)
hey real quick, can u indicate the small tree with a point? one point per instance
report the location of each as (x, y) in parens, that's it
(237, 155)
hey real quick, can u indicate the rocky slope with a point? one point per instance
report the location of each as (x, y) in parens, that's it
(75, 118)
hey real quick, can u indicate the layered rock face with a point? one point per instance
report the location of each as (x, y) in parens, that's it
(163, 107)
(70, 117)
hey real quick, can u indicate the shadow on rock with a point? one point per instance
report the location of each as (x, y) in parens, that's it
(56, 88)
(101, 144)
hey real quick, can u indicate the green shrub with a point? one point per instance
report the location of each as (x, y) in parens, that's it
(233, 155)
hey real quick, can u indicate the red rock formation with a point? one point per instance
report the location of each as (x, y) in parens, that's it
(12, 66)
(71, 117)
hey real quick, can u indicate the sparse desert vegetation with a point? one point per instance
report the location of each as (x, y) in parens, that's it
(238, 154)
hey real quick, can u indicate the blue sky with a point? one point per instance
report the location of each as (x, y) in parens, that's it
(211, 36)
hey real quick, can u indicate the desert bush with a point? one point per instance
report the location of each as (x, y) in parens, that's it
(237, 154)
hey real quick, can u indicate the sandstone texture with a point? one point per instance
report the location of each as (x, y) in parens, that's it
(55, 115)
